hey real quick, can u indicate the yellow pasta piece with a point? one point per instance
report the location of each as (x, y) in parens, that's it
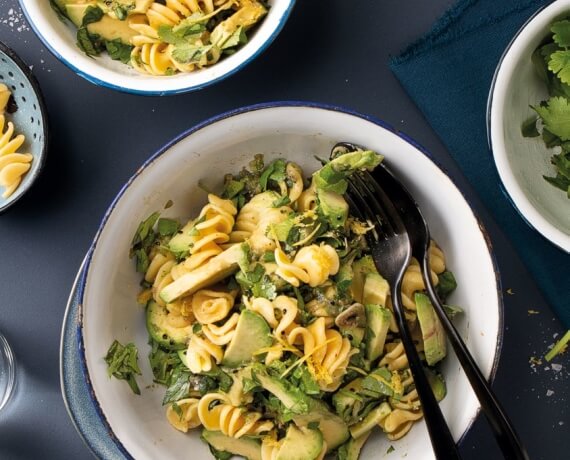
(230, 420)
(13, 165)
(187, 416)
(312, 265)
(210, 306)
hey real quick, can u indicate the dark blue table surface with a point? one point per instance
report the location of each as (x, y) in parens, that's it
(330, 51)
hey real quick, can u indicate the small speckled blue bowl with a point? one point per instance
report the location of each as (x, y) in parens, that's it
(28, 115)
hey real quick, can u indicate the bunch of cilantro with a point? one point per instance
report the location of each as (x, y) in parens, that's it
(552, 62)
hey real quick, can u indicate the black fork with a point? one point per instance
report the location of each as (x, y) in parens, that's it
(391, 251)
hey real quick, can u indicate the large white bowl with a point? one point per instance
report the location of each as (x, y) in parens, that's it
(521, 162)
(60, 39)
(298, 131)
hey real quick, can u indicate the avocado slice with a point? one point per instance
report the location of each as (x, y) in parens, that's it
(174, 338)
(360, 268)
(436, 383)
(375, 290)
(75, 11)
(107, 28)
(292, 398)
(333, 428)
(252, 333)
(181, 243)
(300, 444)
(332, 176)
(351, 450)
(333, 207)
(433, 335)
(373, 418)
(110, 29)
(306, 409)
(345, 400)
(216, 269)
(378, 321)
(244, 447)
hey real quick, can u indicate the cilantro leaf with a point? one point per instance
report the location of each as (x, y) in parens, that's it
(186, 53)
(232, 188)
(163, 363)
(446, 284)
(556, 116)
(89, 44)
(561, 31)
(167, 227)
(257, 283)
(166, 34)
(92, 14)
(118, 50)
(122, 363)
(144, 230)
(560, 64)
(239, 37)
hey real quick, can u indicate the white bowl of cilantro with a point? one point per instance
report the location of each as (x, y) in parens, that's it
(154, 48)
(174, 183)
(529, 122)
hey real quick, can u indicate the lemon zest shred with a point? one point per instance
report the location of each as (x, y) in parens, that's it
(305, 358)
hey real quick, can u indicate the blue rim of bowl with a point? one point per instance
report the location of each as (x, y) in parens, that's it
(240, 111)
(105, 84)
(489, 139)
(43, 112)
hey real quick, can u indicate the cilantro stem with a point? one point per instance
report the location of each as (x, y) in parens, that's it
(558, 347)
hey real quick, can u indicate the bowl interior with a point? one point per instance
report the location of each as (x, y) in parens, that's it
(28, 120)
(298, 133)
(60, 38)
(523, 161)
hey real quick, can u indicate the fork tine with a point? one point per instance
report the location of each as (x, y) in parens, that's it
(383, 202)
(366, 211)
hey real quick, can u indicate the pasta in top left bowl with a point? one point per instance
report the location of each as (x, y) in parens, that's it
(154, 47)
(23, 128)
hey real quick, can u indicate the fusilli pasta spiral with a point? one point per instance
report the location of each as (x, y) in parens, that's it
(413, 281)
(210, 306)
(187, 416)
(326, 351)
(207, 233)
(312, 265)
(230, 420)
(13, 165)
(201, 354)
(221, 335)
(254, 219)
(405, 412)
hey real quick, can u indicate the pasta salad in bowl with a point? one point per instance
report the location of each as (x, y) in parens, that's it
(246, 317)
(156, 47)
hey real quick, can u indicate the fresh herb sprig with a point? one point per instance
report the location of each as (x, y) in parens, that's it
(552, 63)
(122, 362)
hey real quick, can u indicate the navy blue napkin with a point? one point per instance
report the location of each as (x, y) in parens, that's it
(448, 73)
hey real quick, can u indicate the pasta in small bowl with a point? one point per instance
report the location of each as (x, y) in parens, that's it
(244, 314)
(156, 47)
(23, 130)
